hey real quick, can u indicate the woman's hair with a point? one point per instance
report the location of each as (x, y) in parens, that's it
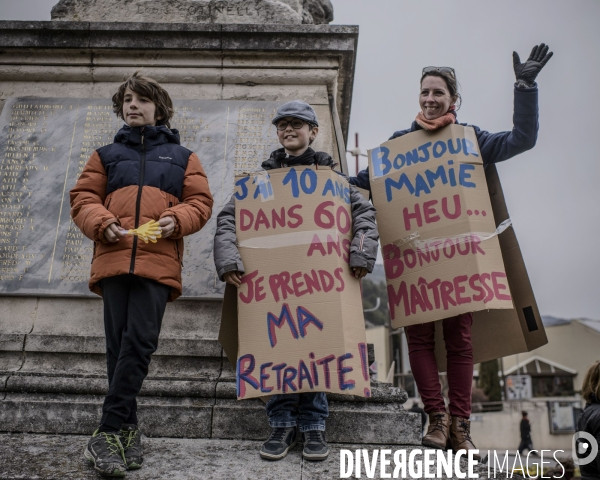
(451, 83)
(591, 383)
(149, 88)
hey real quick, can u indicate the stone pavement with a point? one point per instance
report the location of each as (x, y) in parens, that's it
(49, 457)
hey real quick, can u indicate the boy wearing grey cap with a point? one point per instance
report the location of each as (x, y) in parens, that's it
(297, 127)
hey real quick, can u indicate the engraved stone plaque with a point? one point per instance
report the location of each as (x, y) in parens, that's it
(46, 142)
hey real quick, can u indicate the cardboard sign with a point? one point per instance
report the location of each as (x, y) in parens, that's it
(300, 324)
(439, 240)
(500, 333)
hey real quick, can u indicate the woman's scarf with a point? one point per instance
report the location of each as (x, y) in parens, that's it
(430, 125)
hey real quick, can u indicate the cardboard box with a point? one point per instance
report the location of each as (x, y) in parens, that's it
(440, 249)
(500, 333)
(509, 321)
(299, 325)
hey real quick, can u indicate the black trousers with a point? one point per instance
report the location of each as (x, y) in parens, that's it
(525, 444)
(133, 311)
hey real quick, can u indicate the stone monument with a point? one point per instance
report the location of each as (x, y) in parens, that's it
(196, 11)
(227, 65)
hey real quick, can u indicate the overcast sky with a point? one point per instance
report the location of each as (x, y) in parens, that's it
(552, 190)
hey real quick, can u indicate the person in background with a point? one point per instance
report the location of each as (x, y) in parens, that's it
(439, 101)
(525, 429)
(589, 422)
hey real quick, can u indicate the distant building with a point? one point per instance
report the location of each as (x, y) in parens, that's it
(557, 369)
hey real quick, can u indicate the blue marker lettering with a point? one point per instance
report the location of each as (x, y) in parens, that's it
(420, 185)
(464, 175)
(402, 160)
(289, 375)
(244, 374)
(292, 177)
(451, 147)
(433, 176)
(264, 377)
(439, 149)
(304, 374)
(308, 175)
(278, 368)
(469, 147)
(412, 158)
(305, 318)
(425, 149)
(329, 188)
(390, 183)
(242, 184)
(342, 371)
(380, 161)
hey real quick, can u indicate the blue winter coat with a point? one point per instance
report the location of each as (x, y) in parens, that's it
(494, 147)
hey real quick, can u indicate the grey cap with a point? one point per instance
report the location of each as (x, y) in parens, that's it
(297, 109)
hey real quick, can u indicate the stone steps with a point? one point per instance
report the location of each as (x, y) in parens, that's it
(53, 380)
(48, 457)
(188, 417)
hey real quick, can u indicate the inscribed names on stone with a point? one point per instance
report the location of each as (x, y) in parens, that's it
(44, 146)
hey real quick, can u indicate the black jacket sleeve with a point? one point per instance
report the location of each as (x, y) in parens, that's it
(497, 147)
(361, 180)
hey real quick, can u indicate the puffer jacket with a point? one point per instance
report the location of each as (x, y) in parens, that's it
(363, 249)
(590, 422)
(144, 175)
(494, 147)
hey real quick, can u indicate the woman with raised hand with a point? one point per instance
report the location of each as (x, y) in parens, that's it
(439, 100)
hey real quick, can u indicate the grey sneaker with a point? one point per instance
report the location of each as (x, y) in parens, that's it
(105, 451)
(315, 446)
(131, 439)
(279, 443)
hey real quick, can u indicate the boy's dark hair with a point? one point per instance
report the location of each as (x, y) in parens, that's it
(150, 88)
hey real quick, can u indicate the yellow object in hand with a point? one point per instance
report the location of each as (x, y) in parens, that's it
(147, 232)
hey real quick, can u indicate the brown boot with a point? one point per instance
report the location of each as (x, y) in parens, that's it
(438, 430)
(460, 435)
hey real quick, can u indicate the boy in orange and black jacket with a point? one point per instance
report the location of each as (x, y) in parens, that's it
(144, 175)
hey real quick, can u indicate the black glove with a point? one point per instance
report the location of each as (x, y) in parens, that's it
(526, 72)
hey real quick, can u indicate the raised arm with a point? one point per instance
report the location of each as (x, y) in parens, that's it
(497, 147)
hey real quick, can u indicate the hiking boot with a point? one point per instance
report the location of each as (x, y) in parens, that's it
(460, 435)
(279, 443)
(315, 446)
(105, 451)
(131, 439)
(437, 435)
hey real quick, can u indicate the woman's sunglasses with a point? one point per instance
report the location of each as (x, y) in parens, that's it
(448, 70)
